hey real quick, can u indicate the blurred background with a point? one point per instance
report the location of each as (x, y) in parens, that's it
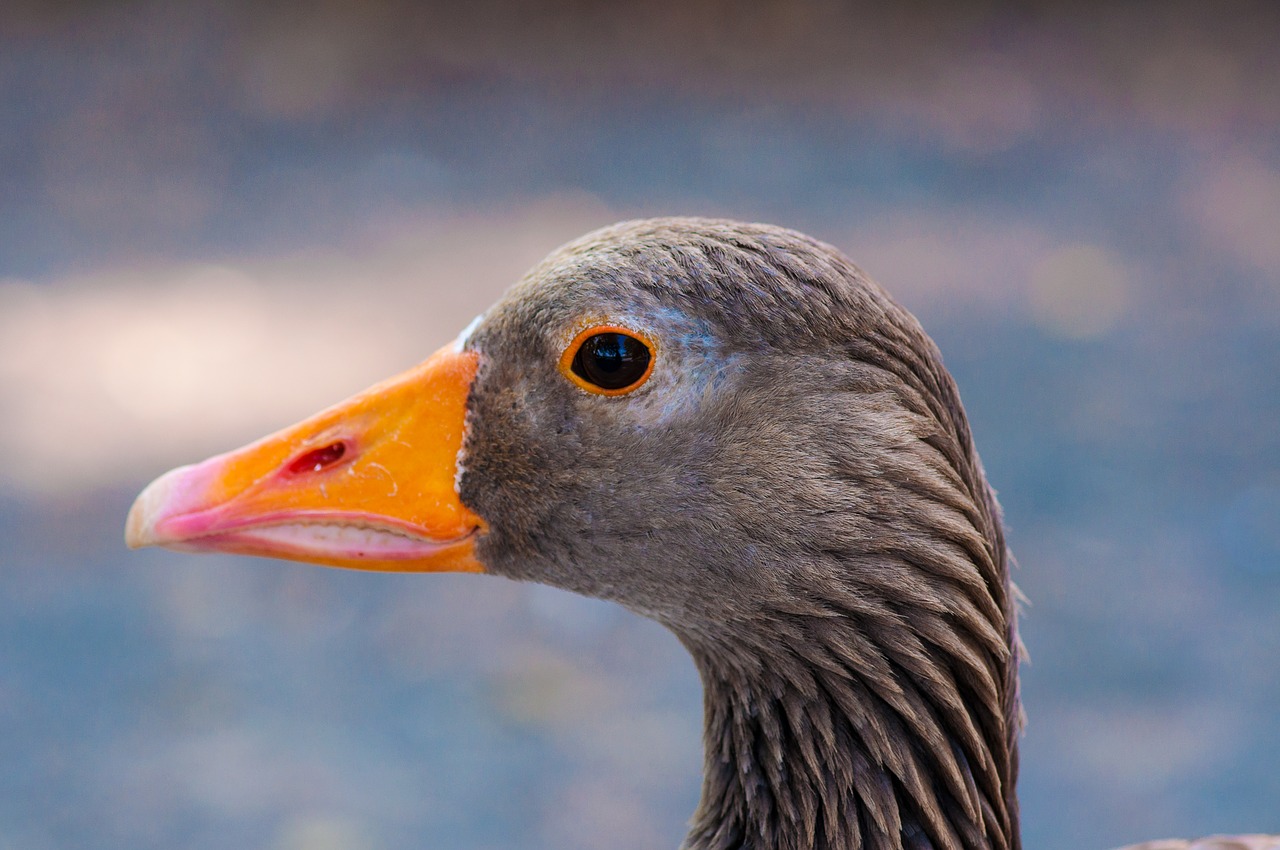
(216, 218)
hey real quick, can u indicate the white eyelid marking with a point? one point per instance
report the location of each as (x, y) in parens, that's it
(461, 342)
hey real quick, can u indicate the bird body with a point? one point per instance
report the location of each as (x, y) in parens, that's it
(727, 428)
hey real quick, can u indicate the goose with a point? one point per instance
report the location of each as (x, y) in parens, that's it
(732, 430)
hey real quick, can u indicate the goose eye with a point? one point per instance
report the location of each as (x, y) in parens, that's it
(608, 360)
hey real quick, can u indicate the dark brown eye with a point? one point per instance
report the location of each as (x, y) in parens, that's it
(608, 360)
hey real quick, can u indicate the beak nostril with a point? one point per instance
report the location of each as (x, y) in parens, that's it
(317, 459)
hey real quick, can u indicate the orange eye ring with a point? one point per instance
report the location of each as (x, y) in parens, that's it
(609, 360)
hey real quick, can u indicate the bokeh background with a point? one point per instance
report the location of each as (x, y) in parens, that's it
(216, 218)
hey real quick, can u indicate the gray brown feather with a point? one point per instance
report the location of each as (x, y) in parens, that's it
(796, 494)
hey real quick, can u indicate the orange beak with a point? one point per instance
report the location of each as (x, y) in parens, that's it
(368, 484)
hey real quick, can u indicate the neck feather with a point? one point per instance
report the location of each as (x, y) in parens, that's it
(853, 745)
(880, 709)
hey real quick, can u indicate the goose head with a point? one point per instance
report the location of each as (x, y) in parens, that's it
(729, 429)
